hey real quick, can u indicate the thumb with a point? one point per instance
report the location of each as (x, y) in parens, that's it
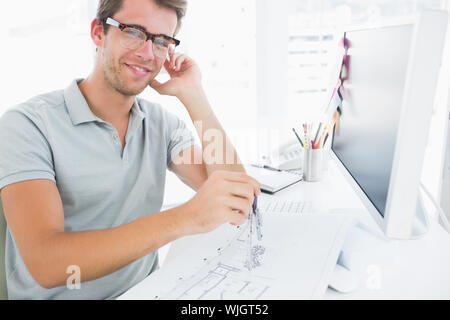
(165, 88)
(155, 84)
(158, 86)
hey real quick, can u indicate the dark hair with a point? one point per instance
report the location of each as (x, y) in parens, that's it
(107, 8)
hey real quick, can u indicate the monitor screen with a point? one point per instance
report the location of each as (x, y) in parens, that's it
(364, 141)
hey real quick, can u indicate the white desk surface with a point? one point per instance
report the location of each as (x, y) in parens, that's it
(394, 269)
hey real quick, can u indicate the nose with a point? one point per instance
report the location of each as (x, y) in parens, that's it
(146, 51)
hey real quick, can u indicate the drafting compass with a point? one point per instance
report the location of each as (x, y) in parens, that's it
(255, 222)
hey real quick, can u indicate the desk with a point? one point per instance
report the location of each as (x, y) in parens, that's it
(394, 269)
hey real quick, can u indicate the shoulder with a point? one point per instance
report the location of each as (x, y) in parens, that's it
(32, 113)
(35, 107)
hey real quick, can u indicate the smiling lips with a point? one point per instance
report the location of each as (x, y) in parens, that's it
(138, 70)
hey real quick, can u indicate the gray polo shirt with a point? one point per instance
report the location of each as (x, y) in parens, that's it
(56, 136)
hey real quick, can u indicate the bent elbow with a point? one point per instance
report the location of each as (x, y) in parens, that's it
(45, 277)
(46, 281)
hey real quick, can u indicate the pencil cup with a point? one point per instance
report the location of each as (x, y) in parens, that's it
(313, 164)
(325, 159)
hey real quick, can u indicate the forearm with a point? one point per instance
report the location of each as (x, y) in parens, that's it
(101, 252)
(224, 156)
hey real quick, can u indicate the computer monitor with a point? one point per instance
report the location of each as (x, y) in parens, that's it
(380, 142)
(444, 181)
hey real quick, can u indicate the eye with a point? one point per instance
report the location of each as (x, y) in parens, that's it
(161, 42)
(133, 33)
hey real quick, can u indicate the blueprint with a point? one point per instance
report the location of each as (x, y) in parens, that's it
(226, 276)
(294, 260)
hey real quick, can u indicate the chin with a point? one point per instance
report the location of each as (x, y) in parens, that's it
(128, 89)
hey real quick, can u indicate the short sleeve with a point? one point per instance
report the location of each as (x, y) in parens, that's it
(180, 138)
(24, 149)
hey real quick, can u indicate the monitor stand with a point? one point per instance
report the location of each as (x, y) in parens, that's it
(420, 223)
(343, 280)
(364, 236)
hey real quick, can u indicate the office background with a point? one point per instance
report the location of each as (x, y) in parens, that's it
(265, 63)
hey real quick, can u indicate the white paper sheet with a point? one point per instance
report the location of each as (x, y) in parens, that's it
(298, 254)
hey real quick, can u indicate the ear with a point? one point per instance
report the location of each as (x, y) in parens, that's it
(97, 33)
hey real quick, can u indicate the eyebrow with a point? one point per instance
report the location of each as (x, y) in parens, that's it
(142, 28)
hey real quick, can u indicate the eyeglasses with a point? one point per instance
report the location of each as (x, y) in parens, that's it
(134, 37)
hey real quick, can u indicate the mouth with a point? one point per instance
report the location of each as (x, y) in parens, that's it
(137, 70)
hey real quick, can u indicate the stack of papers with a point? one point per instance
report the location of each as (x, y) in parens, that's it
(272, 181)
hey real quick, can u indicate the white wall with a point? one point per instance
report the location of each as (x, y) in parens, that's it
(242, 51)
(46, 44)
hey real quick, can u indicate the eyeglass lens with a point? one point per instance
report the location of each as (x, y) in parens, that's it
(133, 39)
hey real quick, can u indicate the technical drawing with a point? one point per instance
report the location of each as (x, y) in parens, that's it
(226, 276)
(223, 282)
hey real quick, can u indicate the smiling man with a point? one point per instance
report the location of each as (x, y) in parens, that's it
(82, 170)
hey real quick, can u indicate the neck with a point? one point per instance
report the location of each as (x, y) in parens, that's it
(104, 101)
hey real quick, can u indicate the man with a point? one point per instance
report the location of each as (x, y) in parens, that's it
(82, 170)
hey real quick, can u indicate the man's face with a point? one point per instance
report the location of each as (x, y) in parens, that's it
(119, 64)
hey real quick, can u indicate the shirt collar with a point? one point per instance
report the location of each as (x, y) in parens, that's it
(79, 110)
(136, 110)
(77, 106)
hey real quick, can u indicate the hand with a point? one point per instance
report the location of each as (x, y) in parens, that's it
(184, 76)
(225, 197)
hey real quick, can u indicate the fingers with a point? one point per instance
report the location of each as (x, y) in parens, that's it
(171, 51)
(155, 84)
(242, 178)
(161, 88)
(167, 64)
(239, 204)
(242, 197)
(176, 60)
(236, 218)
(242, 190)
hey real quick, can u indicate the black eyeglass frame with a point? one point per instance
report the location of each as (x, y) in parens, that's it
(149, 36)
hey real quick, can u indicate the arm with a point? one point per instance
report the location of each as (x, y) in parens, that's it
(200, 111)
(34, 213)
(185, 84)
(192, 174)
(35, 216)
